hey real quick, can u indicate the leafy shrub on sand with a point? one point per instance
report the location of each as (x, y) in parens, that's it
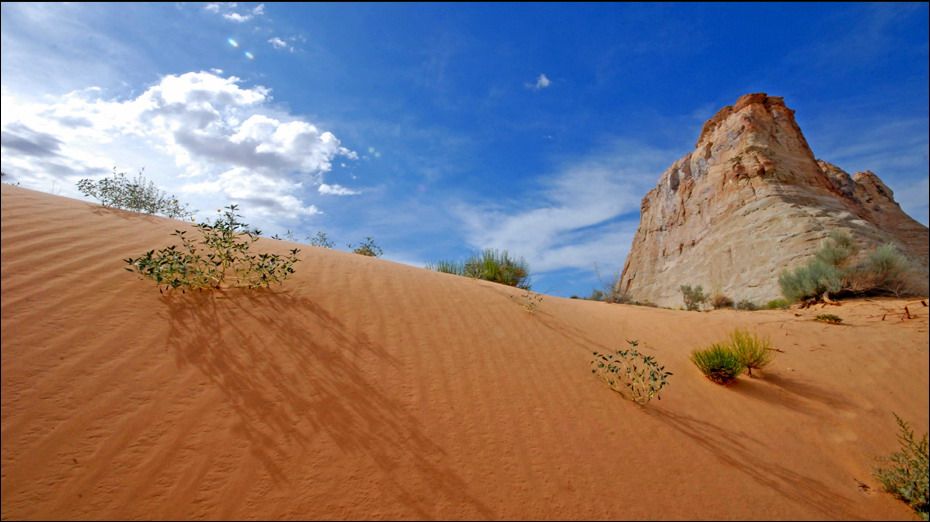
(693, 297)
(320, 239)
(777, 304)
(721, 301)
(829, 318)
(137, 195)
(490, 265)
(746, 304)
(883, 271)
(221, 256)
(718, 363)
(751, 351)
(632, 372)
(908, 474)
(367, 248)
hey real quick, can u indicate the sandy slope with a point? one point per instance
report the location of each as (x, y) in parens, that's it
(368, 389)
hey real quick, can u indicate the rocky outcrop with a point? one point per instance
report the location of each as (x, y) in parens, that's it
(750, 201)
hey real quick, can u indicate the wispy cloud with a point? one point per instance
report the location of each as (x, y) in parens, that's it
(585, 213)
(336, 190)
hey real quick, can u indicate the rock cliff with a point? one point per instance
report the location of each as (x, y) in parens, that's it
(750, 201)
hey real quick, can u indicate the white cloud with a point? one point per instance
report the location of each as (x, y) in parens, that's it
(278, 43)
(542, 81)
(577, 217)
(209, 127)
(228, 11)
(336, 190)
(236, 17)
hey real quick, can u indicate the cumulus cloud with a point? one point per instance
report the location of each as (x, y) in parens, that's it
(212, 127)
(277, 43)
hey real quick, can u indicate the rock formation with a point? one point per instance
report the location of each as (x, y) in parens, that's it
(750, 201)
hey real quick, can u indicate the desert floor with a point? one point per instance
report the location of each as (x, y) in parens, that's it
(367, 389)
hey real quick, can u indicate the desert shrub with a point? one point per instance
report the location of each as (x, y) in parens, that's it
(137, 195)
(884, 270)
(320, 239)
(810, 281)
(367, 248)
(829, 318)
(718, 363)
(779, 304)
(221, 256)
(721, 301)
(751, 351)
(632, 372)
(490, 265)
(746, 304)
(908, 474)
(693, 297)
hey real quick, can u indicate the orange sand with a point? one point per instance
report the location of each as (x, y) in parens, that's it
(367, 389)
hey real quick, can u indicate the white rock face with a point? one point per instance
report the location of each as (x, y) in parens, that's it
(750, 201)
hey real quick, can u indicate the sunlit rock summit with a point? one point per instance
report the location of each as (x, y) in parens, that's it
(750, 201)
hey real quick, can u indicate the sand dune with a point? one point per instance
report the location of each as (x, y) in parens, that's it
(367, 389)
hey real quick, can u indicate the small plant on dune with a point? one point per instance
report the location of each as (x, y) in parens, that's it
(221, 257)
(908, 475)
(137, 195)
(718, 363)
(631, 372)
(490, 265)
(751, 351)
(777, 304)
(829, 318)
(693, 297)
(367, 248)
(320, 239)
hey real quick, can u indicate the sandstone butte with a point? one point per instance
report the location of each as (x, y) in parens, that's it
(750, 201)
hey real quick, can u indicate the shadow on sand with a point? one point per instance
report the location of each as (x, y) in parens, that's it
(293, 372)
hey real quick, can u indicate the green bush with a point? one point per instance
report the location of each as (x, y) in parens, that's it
(829, 318)
(779, 304)
(367, 248)
(636, 373)
(751, 351)
(693, 297)
(908, 474)
(221, 256)
(137, 195)
(718, 363)
(490, 265)
(746, 304)
(884, 271)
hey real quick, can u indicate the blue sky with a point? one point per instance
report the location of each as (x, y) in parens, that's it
(440, 129)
